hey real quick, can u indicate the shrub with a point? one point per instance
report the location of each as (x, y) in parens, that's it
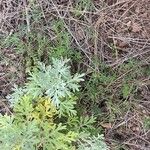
(54, 81)
(44, 116)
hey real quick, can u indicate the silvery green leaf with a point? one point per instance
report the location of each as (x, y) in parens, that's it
(93, 143)
(54, 81)
(16, 95)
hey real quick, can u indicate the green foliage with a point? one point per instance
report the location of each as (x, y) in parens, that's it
(13, 41)
(93, 143)
(147, 123)
(32, 127)
(83, 5)
(15, 96)
(106, 90)
(37, 47)
(66, 107)
(62, 43)
(34, 47)
(86, 123)
(83, 125)
(16, 136)
(61, 47)
(96, 87)
(126, 90)
(44, 113)
(55, 81)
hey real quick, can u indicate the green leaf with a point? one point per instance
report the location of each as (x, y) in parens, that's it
(24, 108)
(54, 80)
(126, 90)
(17, 135)
(16, 95)
(66, 107)
(93, 143)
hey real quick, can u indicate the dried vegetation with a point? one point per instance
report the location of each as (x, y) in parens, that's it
(107, 39)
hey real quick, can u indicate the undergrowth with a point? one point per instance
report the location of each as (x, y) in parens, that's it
(104, 96)
(112, 93)
(53, 110)
(44, 114)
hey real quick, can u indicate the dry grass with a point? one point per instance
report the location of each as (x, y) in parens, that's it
(112, 31)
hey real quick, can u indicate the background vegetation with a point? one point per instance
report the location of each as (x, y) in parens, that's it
(108, 41)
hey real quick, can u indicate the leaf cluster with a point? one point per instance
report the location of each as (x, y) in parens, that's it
(44, 113)
(54, 81)
(33, 127)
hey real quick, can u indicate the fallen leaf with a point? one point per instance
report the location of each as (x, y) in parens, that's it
(136, 27)
(106, 125)
(144, 15)
(12, 69)
(123, 44)
(80, 34)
